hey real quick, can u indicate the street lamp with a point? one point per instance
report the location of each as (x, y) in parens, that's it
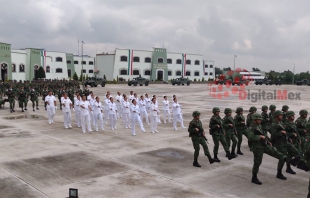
(293, 74)
(82, 61)
(235, 56)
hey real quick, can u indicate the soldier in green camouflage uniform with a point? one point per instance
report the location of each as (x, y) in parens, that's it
(260, 144)
(198, 136)
(230, 130)
(307, 150)
(281, 141)
(249, 120)
(284, 110)
(11, 97)
(34, 98)
(218, 133)
(239, 121)
(272, 109)
(22, 98)
(290, 128)
(301, 126)
(266, 120)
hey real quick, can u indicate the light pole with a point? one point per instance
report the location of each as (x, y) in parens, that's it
(293, 74)
(235, 56)
(82, 62)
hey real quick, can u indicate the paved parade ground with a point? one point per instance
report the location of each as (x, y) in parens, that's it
(42, 160)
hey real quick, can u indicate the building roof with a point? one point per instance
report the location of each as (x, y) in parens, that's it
(5, 43)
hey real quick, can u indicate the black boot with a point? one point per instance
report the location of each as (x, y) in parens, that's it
(37, 108)
(26, 109)
(280, 175)
(233, 154)
(255, 179)
(216, 159)
(11, 110)
(303, 166)
(289, 169)
(196, 164)
(228, 155)
(295, 160)
(211, 160)
(23, 110)
(34, 110)
(239, 151)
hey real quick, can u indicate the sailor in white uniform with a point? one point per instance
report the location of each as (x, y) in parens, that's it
(166, 110)
(135, 117)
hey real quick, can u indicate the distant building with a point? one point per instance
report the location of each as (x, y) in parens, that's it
(154, 65)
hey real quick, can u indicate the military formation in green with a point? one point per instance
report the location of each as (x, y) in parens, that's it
(276, 133)
(23, 91)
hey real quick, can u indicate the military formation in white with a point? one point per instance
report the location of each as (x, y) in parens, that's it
(90, 112)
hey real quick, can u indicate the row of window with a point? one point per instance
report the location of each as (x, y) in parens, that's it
(59, 70)
(159, 60)
(148, 73)
(207, 66)
(5, 48)
(59, 59)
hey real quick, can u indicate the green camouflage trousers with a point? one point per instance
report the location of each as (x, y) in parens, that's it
(35, 101)
(216, 140)
(12, 103)
(23, 102)
(197, 141)
(240, 133)
(233, 138)
(286, 149)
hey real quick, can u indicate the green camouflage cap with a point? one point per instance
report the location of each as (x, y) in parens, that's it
(239, 109)
(277, 113)
(289, 113)
(303, 112)
(257, 116)
(227, 110)
(285, 107)
(216, 109)
(196, 113)
(265, 107)
(272, 107)
(253, 109)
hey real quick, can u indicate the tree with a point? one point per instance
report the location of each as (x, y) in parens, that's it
(81, 77)
(75, 76)
(227, 69)
(40, 73)
(218, 71)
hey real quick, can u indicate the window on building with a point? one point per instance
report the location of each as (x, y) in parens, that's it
(179, 61)
(211, 73)
(206, 73)
(48, 69)
(197, 62)
(188, 62)
(169, 73)
(91, 63)
(147, 72)
(206, 66)
(124, 59)
(147, 60)
(58, 59)
(21, 68)
(136, 59)
(188, 73)
(136, 72)
(13, 68)
(84, 71)
(69, 62)
(160, 60)
(196, 73)
(211, 66)
(123, 72)
(90, 71)
(178, 73)
(83, 62)
(76, 62)
(169, 61)
(58, 70)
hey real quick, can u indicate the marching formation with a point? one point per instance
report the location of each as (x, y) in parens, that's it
(276, 133)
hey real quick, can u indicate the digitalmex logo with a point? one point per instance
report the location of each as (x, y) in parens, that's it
(234, 83)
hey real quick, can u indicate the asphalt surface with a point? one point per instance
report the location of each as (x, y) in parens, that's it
(42, 160)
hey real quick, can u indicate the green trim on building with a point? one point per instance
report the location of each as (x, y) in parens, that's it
(69, 57)
(159, 68)
(6, 58)
(33, 59)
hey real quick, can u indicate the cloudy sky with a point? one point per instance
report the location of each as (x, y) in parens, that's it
(268, 34)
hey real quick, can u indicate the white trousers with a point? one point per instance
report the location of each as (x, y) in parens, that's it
(106, 115)
(144, 114)
(85, 121)
(91, 117)
(154, 123)
(77, 118)
(98, 117)
(136, 118)
(119, 110)
(177, 118)
(50, 113)
(112, 120)
(67, 119)
(126, 118)
(167, 115)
